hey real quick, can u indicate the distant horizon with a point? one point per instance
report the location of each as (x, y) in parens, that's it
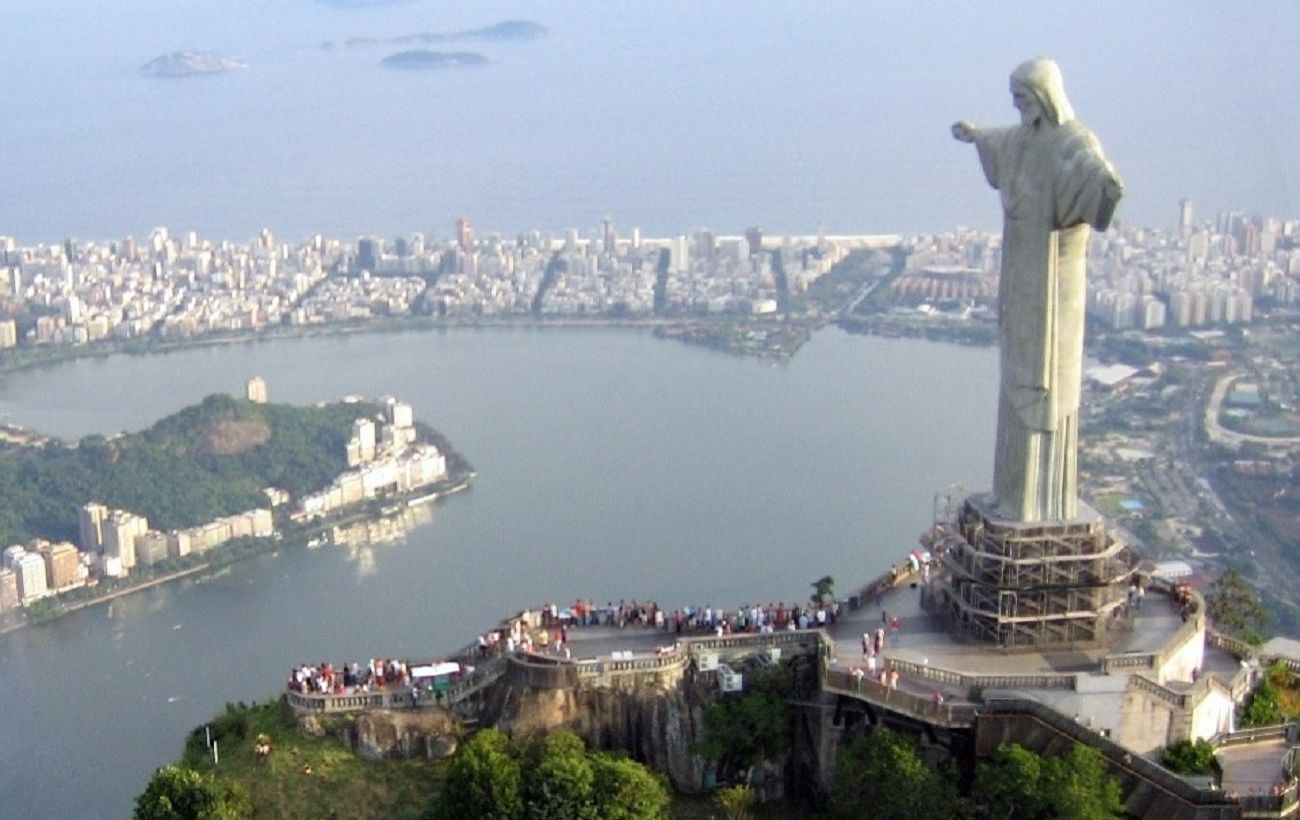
(592, 228)
(663, 115)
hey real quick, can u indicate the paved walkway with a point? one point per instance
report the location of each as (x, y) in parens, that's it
(1252, 768)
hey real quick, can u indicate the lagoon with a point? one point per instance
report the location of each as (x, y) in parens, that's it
(611, 465)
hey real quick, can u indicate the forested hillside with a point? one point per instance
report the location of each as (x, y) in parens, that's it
(206, 461)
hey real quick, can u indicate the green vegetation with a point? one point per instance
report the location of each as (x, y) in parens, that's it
(844, 280)
(880, 775)
(1234, 607)
(742, 731)
(1276, 698)
(209, 460)
(823, 590)
(1187, 757)
(1017, 783)
(551, 777)
(179, 793)
(300, 775)
(735, 802)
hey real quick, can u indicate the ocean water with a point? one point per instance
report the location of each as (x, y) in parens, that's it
(611, 465)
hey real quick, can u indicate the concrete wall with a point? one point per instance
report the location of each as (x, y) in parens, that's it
(1146, 721)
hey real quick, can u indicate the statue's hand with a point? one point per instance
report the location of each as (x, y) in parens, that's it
(963, 131)
(1114, 187)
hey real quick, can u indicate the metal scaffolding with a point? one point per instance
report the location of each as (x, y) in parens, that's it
(1031, 584)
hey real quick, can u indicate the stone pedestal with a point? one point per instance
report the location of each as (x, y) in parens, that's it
(1033, 585)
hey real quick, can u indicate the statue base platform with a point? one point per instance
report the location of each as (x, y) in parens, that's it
(1033, 584)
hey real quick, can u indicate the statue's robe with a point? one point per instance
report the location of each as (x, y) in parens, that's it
(1053, 183)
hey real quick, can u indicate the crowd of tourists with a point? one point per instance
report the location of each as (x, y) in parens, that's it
(349, 678)
(695, 619)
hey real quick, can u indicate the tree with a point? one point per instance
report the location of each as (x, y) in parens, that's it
(1186, 757)
(1265, 705)
(1009, 784)
(1235, 608)
(823, 590)
(880, 775)
(559, 781)
(1078, 787)
(181, 793)
(625, 790)
(483, 780)
(742, 731)
(1019, 784)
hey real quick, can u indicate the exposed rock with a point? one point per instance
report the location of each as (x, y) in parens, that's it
(384, 735)
(658, 726)
(227, 438)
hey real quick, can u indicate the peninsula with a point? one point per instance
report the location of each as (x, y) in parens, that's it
(214, 482)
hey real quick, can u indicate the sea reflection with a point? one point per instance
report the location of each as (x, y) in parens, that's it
(360, 537)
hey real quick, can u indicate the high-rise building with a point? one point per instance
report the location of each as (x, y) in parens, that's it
(90, 520)
(464, 234)
(256, 390)
(754, 236)
(30, 569)
(400, 414)
(12, 554)
(120, 531)
(1185, 218)
(8, 590)
(369, 251)
(61, 564)
(8, 333)
(607, 236)
(363, 431)
(151, 548)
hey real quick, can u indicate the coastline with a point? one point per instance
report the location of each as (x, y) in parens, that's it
(31, 358)
(299, 536)
(109, 596)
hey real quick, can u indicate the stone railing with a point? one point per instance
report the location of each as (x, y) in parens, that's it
(1169, 696)
(603, 667)
(1231, 645)
(1241, 737)
(897, 700)
(483, 675)
(752, 642)
(881, 584)
(402, 697)
(1116, 663)
(973, 684)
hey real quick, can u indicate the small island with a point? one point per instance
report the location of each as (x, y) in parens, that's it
(506, 30)
(425, 60)
(190, 64)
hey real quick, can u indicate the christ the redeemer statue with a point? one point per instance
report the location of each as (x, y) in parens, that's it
(1056, 185)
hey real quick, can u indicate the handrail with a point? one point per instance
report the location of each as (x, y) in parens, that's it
(947, 714)
(1245, 736)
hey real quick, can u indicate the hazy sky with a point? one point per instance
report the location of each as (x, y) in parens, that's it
(666, 115)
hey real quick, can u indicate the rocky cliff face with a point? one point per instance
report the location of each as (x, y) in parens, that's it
(387, 735)
(658, 725)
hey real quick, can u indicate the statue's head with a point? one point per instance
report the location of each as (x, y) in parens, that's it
(1039, 92)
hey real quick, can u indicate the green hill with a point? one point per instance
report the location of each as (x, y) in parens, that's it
(208, 460)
